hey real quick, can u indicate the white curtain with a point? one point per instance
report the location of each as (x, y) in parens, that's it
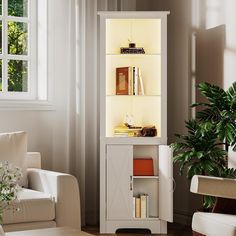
(84, 100)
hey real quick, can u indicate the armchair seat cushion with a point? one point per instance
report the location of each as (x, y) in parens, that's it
(214, 224)
(33, 206)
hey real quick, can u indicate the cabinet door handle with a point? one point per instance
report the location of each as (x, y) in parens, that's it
(131, 183)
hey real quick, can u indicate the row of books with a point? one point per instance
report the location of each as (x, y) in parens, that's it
(124, 131)
(141, 206)
(129, 81)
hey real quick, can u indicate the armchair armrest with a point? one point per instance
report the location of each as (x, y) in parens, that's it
(64, 188)
(213, 186)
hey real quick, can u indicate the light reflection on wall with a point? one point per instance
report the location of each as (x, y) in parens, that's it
(211, 13)
(215, 13)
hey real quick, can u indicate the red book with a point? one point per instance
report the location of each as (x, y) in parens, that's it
(143, 167)
(122, 81)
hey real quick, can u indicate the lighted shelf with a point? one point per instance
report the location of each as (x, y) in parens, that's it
(133, 140)
(150, 67)
(133, 54)
(114, 95)
(146, 110)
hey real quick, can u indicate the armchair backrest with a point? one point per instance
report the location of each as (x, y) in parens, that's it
(33, 160)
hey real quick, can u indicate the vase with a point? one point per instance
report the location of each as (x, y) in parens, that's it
(1, 231)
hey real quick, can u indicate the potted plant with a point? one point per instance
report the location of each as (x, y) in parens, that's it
(9, 178)
(220, 109)
(203, 150)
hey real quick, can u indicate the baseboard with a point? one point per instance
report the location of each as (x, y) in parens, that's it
(181, 217)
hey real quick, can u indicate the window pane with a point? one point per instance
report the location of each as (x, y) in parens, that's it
(17, 38)
(18, 8)
(0, 7)
(17, 76)
(0, 75)
(0, 37)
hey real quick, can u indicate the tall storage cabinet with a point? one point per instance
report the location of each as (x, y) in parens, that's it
(118, 184)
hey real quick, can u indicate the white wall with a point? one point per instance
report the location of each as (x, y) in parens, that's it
(213, 13)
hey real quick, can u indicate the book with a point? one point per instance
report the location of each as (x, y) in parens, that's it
(126, 50)
(135, 80)
(147, 207)
(122, 80)
(124, 131)
(137, 207)
(129, 81)
(141, 88)
(143, 204)
(134, 207)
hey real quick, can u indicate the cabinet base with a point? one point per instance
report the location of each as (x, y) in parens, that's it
(155, 226)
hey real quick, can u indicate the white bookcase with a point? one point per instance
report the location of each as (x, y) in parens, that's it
(118, 186)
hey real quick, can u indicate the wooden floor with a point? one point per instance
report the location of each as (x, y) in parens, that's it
(173, 230)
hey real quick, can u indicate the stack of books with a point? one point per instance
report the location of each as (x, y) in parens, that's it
(129, 50)
(141, 206)
(129, 81)
(124, 131)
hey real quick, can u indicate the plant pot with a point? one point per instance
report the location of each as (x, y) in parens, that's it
(1, 231)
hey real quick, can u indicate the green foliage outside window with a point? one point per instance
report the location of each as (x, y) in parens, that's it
(17, 45)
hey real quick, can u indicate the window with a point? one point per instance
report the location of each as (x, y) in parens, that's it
(19, 34)
(17, 49)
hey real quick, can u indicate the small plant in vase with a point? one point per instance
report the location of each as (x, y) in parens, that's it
(9, 178)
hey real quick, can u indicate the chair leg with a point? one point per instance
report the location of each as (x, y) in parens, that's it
(197, 234)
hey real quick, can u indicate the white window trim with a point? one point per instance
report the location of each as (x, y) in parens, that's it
(32, 100)
(31, 51)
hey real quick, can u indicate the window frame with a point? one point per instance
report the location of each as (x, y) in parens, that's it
(31, 56)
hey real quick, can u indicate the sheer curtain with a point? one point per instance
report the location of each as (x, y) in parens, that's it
(83, 100)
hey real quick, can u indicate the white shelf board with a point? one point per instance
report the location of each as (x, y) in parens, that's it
(133, 54)
(147, 219)
(145, 177)
(134, 140)
(114, 95)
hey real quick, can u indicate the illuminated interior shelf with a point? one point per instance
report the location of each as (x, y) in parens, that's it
(114, 95)
(133, 54)
(146, 110)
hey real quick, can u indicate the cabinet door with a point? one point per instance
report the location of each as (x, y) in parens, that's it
(119, 185)
(166, 183)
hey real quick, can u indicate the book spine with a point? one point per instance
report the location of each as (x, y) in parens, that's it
(134, 208)
(135, 80)
(133, 74)
(130, 80)
(147, 206)
(137, 207)
(141, 88)
(143, 206)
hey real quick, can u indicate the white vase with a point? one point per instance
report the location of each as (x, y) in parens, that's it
(1, 231)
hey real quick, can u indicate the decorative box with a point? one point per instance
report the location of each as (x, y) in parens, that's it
(143, 166)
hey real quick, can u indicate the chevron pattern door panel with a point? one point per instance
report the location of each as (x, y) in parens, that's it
(119, 182)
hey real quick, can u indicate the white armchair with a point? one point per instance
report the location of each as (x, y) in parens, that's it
(52, 200)
(214, 224)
